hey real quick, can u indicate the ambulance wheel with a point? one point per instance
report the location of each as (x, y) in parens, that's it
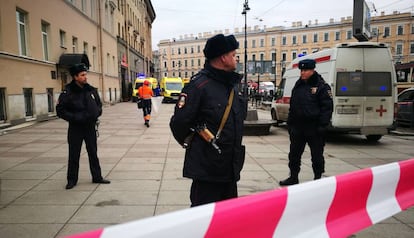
(373, 137)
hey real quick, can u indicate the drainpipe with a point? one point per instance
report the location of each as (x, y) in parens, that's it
(101, 65)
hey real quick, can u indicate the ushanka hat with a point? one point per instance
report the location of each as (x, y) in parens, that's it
(77, 68)
(307, 64)
(219, 45)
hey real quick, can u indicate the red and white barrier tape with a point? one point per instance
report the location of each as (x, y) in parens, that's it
(331, 207)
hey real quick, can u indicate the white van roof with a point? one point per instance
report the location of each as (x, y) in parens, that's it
(325, 54)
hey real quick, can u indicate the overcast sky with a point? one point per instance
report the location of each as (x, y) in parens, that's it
(175, 18)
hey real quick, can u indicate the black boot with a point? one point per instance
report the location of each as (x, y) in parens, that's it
(317, 176)
(292, 180)
(70, 185)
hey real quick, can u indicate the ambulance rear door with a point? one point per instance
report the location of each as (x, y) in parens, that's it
(364, 90)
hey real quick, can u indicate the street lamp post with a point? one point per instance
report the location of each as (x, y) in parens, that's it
(258, 71)
(245, 9)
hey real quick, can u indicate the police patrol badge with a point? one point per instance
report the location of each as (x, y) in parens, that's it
(93, 97)
(181, 100)
(314, 89)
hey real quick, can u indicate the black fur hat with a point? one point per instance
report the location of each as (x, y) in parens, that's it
(307, 64)
(77, 68)
(219, 45)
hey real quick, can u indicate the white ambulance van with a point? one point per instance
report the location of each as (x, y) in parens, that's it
(363, 81)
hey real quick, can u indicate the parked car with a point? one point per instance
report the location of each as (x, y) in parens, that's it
(405, 110)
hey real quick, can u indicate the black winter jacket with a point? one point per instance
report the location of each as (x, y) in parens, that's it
(311, 103)
(79, 106)
(206, 97)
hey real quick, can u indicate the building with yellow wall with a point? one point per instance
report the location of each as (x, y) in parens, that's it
(271, 49)
(38, 44)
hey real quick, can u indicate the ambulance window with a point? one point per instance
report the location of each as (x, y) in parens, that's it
(137, 85)
(378, 83)
(349, 84)
(281, 88)
(364, 84)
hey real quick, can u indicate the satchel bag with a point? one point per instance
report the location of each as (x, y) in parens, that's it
(139, 103)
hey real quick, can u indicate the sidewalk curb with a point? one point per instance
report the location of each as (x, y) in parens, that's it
(401, 133)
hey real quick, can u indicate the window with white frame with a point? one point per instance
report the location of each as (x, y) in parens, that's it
(400, 30)
(294, 40)
(398, 49)
(83, 5)
(412, 48)
(21, 19)
(294, 55)
(108, 63)
(62, 36)
(261, 42)
(74, 44)
(374, 31)
(315, 37)
(284, 56)
(273, 41)
(326, 36)
(283, 40)
(349, 34)
(45, 40)
(85, 48)
(304, 39)
(93, 7)
(94, 57)
(338, 35)
(253, 43)
(386, 31)
(113, 64)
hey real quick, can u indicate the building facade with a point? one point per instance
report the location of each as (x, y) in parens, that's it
(270, 50)
(37, 46)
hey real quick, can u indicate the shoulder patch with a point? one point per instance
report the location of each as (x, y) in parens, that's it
(181, 100)
(330, 93)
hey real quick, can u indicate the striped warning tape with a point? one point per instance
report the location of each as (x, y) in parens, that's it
(331, 207)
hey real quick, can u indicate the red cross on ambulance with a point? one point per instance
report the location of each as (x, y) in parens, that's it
(381, 110)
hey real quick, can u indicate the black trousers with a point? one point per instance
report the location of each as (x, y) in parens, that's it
(298, 139)
(76, 135)
(146, 109)
(203, 192)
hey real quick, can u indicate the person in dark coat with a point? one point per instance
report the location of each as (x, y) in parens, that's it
(309, 115)
(213, 166)
(80, 105)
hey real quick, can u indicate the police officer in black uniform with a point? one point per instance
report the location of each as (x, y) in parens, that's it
(310, 113)
(80, 105)
(214, 167)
